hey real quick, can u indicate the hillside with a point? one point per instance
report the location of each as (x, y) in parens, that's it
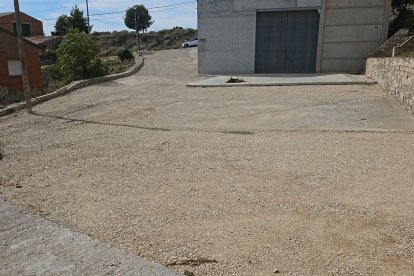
(152, 41)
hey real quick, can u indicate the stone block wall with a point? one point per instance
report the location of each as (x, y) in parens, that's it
(395, 76)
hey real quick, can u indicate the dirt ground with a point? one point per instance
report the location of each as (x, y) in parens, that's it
(309, 180)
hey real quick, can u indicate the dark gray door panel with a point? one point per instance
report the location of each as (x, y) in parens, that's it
(270, 42)
(302, 41)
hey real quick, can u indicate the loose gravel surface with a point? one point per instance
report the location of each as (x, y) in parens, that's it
(308, 180)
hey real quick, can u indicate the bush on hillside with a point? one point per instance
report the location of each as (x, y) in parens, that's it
(78, 57)
(125, 54)
(403, 16)
(7, 98)
(53, 72)
(120, 38)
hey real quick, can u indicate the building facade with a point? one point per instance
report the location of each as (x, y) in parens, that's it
(10, 68)
(30, 26)
(289, 36)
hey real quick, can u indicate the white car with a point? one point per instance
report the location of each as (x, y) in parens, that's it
(190, 43)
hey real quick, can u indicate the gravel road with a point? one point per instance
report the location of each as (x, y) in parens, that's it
(308, 180)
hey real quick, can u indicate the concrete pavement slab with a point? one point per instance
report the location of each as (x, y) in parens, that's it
(284, 80)
(30, 245)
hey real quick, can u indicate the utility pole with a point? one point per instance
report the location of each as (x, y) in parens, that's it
(137, 42)
(22, 56)
(87, 13)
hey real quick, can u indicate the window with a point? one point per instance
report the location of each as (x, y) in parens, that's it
(15, 67)
(25, 29)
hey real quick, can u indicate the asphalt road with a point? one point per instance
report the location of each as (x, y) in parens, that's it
(311, 180)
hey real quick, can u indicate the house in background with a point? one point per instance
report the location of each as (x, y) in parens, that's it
(289, 36)
(10, 68)
(46, 42)
(30, 26)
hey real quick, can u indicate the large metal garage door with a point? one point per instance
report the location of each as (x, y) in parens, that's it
(286, 42)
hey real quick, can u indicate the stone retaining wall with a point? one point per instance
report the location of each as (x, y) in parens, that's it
(139, 63)
(395, 76)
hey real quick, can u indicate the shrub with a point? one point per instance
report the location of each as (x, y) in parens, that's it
(78, 57)
(115, 65)
(54, 72)
(7, 98)
(97, 69)
(153, 46)
(3, 94)
(3, 90)
(125, 54)
(112, 63)
(110, 51)
(403, 13)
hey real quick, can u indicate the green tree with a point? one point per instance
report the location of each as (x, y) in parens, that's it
(75, 20)
(62, 25)
(78, 57)
(143, 17)
(403, 15)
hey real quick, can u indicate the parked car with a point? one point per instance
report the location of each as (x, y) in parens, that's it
(190, 43)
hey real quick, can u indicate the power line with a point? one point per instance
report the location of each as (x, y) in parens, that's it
(118, 12)
(175, 9)
(153, 8)
(69, 5)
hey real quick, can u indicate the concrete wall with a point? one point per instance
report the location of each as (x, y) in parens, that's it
(227, 32)
(350, 29)
(395, 76)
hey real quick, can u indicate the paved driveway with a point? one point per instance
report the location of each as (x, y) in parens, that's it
(309, 180)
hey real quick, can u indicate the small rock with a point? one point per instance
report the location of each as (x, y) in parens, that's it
(188, 273)
(18, 186)
(276, 271)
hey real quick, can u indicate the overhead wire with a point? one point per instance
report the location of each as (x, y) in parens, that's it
(119, 12)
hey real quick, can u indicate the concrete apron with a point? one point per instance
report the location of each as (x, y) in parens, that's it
(284, 80)
(31, 245)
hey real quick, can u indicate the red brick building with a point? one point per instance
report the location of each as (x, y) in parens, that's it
(10, 69)
(30, 26)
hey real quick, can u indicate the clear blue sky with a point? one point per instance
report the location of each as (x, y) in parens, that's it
(184, 14)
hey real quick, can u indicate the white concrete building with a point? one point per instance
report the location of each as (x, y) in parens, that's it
(289, 36)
